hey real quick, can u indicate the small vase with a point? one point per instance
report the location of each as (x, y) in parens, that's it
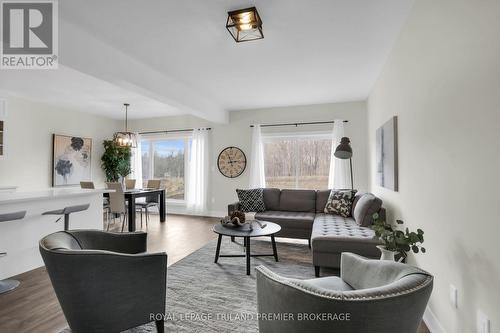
(386, 254)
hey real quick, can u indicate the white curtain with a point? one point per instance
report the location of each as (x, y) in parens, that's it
(257, 176)
(197, 180)
(339, 176)
(136, 162)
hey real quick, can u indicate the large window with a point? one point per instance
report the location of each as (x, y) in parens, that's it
(297, 161)
(165, 158)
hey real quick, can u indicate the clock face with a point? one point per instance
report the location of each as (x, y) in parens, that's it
(231, 162)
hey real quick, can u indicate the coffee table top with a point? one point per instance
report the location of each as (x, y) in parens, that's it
(244, 231)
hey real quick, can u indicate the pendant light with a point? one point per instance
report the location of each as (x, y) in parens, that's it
(126, 138)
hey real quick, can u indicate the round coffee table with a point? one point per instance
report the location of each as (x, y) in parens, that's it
(269, 230)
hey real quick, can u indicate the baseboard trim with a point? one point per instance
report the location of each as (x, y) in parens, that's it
(432, 322)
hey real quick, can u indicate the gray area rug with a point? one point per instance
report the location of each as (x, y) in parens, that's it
(207, 297)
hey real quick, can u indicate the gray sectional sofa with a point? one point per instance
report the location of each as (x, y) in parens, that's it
(300, 213)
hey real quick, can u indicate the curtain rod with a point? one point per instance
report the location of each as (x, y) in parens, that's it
(298, 124)
(175, 131)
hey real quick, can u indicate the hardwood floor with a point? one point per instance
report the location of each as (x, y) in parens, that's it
(33, 307)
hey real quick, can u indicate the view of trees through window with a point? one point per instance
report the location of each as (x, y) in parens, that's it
(297, 162)
(165, 159)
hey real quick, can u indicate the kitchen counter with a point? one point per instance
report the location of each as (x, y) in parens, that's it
(19, 238)
(54, 193)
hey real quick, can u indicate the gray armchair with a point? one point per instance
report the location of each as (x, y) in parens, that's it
(370, 296)
(105, 282)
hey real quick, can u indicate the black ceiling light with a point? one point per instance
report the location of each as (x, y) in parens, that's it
(244, 24)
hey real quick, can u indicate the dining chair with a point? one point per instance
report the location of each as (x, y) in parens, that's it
(130, 184)
(150, 201)
(105, 202)
(117, 203)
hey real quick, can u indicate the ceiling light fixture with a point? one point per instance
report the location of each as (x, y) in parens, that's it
(126, 138)
(244, 24)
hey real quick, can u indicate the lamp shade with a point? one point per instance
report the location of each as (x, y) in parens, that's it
(343, 150)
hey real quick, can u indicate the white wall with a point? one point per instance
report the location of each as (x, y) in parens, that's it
(238, 133)
(29, 128)
(442, 80)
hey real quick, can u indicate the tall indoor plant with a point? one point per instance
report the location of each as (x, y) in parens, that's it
(115, 161)
(397, 243)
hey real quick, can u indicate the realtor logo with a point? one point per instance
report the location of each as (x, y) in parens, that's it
(29, 35)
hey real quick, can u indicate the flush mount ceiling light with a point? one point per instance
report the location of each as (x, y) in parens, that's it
(244, 24)
(126, 138)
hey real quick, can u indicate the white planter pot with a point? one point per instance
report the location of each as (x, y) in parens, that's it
(386, 254)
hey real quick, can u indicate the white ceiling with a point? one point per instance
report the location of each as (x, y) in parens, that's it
(176, 57)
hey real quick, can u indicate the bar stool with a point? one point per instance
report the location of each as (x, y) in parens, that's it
(8, 285)
(66, 211)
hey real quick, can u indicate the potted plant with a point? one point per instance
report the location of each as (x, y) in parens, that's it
(116, 161)
(397, 243)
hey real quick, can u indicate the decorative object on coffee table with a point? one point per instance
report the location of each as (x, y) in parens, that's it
(397, 243)
(238, 214)
(246, 233)
(233, 222)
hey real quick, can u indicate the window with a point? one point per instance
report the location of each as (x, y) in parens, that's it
(165, 158)
(297, 161)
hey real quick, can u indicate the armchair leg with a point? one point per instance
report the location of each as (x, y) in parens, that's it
(316, 271)
(160, 327)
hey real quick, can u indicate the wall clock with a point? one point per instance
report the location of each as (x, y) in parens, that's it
(231, 162)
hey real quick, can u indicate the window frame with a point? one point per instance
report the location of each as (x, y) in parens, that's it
(294, 136)
(187, 137)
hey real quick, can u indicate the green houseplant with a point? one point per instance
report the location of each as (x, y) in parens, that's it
(397, 241)
(115, 161)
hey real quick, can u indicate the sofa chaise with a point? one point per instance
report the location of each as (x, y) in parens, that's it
(300, 213)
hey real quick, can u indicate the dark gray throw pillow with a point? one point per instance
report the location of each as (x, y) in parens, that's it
(340, 202)
(367, 205)
(251, 200)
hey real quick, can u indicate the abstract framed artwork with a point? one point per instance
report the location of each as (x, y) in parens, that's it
(71, 160)
(387, 154)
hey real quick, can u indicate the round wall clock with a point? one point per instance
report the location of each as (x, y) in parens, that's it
(232, 162)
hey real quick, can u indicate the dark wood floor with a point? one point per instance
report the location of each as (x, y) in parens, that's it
(33, 307)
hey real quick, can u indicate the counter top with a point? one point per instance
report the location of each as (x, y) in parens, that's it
(53, 193)
(8, 188)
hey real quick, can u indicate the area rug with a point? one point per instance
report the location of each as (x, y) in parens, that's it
(206, 297)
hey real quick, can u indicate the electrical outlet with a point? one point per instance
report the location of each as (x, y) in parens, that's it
(483, 322)
(454, 296)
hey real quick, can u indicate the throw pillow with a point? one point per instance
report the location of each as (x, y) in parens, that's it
(251, 200)
(367, 205)
(340, 202)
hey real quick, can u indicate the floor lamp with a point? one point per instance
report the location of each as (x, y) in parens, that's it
(344, 152)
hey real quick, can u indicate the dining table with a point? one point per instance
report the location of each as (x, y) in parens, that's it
(151, 194)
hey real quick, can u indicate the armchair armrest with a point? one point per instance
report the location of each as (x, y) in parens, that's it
(233, 207)
(131, 243)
